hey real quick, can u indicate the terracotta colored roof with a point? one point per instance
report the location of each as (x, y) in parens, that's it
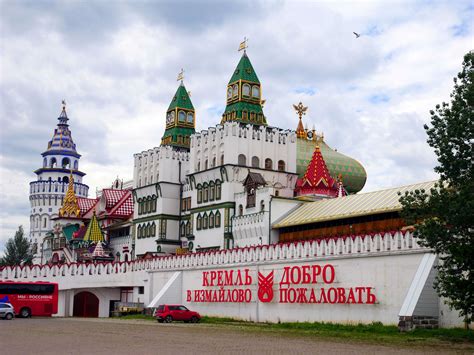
(317, 179)
(350, 206)
(85, 204)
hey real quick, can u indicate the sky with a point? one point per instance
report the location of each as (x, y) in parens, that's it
(116, 62)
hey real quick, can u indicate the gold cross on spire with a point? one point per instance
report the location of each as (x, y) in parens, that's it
(243, 45)
(64, 104)
(181, 75)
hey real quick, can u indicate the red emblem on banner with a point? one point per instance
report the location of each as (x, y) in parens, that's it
(265, 287)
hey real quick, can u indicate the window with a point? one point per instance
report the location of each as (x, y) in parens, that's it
(182, 116)
(246, 90)
(268, 164)
(211, 191)
(199, 194)
(241, 210)
(262, 206)
(66, 163)
(205, 165)
(222, 159)
(277, 193)
(218, 190)
(153, 229)
(213, 162)
(163, 229)
(44, 222)
(45, 162)
(190, 117)
(188, 228)
(141, 290)
(205, 196)
(245, 115)
(235, 91)
(281, 165)
(255, 92)
(255, 162)
(242, 160)
(211, 220)
(53, 163)
(229, 92)
(198, 166)
(199, 222)
(205, 221)
(217, 219)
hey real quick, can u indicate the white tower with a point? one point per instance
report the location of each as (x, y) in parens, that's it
(47, 193)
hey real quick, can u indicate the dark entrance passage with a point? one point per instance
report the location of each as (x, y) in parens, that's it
(86, 304)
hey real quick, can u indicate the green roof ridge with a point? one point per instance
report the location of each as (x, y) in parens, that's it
(181, 99)
(244, 71)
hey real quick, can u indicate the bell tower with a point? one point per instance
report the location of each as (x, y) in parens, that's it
(244, 94)
(180, 118)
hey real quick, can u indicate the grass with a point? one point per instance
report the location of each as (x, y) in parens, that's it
(368, 333)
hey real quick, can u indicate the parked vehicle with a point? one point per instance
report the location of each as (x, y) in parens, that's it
(7, 311)
(170, 312)
(30, 298)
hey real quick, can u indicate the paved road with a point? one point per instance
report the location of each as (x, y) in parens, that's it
(113, 336)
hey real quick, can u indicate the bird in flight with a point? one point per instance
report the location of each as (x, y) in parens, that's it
(356, 34)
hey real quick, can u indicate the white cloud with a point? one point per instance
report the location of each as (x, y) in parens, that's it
(116, 66)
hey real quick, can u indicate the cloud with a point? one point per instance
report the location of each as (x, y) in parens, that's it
(116, 65)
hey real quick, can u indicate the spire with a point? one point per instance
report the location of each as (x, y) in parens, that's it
(180, 118)
(63, 115)
(98, 251)
(317, 180)
(93, 232)
(301, 111)
(244, 98)
(70, 206)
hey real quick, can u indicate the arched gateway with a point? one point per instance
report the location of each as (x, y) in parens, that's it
(86, 304)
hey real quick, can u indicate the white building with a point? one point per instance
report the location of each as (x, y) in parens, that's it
(47, 193)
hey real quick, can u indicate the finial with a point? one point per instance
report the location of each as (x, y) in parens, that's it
(243, 45)
(300, 109)
(64, 104)
(181, 76)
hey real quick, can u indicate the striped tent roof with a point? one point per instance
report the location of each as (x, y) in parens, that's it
(350, 206)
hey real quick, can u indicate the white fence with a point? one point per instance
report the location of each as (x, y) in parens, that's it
(342, 246)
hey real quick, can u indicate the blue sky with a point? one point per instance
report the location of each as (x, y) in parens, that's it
(116, 63)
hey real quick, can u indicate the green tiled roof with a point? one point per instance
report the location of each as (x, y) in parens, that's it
(353, 173)
(243, 106)
(181, 99)
(176, 131)
(244, 71)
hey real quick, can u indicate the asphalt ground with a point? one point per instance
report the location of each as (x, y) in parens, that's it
(116, 336)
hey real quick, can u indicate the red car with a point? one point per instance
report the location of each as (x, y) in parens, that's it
(170, 312)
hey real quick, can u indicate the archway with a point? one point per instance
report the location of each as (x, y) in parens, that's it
(86, 304)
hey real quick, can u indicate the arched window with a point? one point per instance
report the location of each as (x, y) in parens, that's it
(53, 163)
(205, 221)
(44, 222)
(242, 160)
(245, 115)
(190, 117)
(66, 180)
(241, 210)
(217, 219)
(66, 163)
(153, 229)
(246, 90)
(222, 159)
(229, 93)
(255, 91)
(262, 206)
(235, 91)
(255, 162)
(205, 165)
(198, 166)
(199, 194)
(213, 162)
(212, 192)
(45, 162)
(76, 165)
(205, 193)
(281, 165)
(182, 116)
(188, 228)
(211, 220)
(218, 190)
(268, 164)
(199, 222)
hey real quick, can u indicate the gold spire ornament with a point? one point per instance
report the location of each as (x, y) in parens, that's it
(301, 111)
(70, 206)
(180, 75)
(243, 45)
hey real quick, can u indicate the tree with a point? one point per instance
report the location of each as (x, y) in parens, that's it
(444, 217)
(17, 250)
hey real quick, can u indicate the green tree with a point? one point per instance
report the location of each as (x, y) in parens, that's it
(444, 217)
(17, 250)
